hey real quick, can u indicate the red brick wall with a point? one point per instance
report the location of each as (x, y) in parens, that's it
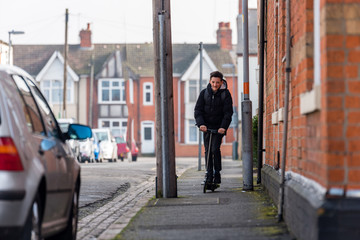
(340, 48)
(324, 145)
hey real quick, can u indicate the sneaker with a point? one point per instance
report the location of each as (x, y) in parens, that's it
(217, 178)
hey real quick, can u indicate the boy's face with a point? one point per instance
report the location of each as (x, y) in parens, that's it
(215, 83)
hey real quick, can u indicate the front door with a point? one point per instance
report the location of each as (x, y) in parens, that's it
(147, 137)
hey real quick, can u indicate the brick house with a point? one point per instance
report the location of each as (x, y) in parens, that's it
(322, 184)
(122, 96)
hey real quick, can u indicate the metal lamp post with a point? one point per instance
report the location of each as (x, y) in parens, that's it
(9, 52)
(235, 155)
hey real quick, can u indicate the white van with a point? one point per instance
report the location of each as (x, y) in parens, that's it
(108, 146)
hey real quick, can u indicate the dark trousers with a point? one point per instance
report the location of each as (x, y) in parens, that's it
(214, 161)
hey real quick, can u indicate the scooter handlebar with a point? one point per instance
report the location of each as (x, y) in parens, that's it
(214, 131)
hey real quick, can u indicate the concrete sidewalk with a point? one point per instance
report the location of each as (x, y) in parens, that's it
(227, 213)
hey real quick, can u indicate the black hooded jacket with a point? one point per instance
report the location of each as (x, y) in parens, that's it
(214, 112)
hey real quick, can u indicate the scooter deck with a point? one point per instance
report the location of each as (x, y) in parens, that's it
(210, 186)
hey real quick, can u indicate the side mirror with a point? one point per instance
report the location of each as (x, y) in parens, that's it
(78, 132)
(46, 145)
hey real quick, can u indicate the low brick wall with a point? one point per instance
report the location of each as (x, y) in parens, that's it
(310, 216)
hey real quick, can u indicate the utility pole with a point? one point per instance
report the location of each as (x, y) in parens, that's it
(246, 109)
(91, 90)
(164, 105)
(261, 90)
(200, 87)
(10, 45)
(65, 60)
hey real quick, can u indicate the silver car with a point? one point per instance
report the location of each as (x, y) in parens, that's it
(39, 176)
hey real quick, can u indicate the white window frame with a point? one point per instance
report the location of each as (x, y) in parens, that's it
(145, 91)
(121, 88)
(69, 90)
(187, 89)
(187, 133)
(111, 121)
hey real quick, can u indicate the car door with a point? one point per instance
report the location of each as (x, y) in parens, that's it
(64, 160)
(40, 142)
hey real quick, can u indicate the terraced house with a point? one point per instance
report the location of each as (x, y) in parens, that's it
(112, 85)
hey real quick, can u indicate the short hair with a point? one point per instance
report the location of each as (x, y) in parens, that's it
(217, 74)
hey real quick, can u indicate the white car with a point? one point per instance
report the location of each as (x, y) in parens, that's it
(87, 150)
(74, 144)
(108, 146)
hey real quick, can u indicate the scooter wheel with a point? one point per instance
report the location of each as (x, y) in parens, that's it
(204, 188)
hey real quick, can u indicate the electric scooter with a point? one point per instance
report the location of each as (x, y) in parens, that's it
(210, 185)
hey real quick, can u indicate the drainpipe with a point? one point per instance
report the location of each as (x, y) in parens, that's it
(284, 140)
(261, 91)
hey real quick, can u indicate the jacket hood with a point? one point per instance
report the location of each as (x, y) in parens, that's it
(222, 87)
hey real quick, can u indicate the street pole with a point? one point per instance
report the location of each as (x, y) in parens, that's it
(10, 44)
(236, 119)
(91, 91)
(164, 107)
(246, 108)
(200, 87)
(261, 91)
(9, 52)
(65, 60)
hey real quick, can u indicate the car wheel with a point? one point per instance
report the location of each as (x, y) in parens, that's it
(122, 159)
(134, 158)
(71, 228)
(32, 228)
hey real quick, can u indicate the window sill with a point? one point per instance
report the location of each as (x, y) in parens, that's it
(310, 101)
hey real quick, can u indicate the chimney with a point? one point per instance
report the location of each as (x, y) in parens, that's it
(85, 37)
(224, 36)
(240, 7)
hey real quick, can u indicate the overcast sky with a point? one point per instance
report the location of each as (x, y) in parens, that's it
(113, 21)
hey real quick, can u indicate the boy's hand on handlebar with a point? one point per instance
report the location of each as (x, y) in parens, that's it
(203, 128)
(221, 130)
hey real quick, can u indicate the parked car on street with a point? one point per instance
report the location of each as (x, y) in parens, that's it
(122, 148)
(134, 151)
(87, 150)
(40, 177)
(108, 147)
(74, 144)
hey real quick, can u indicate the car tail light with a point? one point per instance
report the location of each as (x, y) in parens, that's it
(127, 149)
(9, 156)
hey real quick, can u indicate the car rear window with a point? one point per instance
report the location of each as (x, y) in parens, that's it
(120, 140)
(49, 119)
(102, 136)
(31, 112)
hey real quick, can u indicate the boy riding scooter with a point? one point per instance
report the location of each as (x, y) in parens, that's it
(213, 110)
